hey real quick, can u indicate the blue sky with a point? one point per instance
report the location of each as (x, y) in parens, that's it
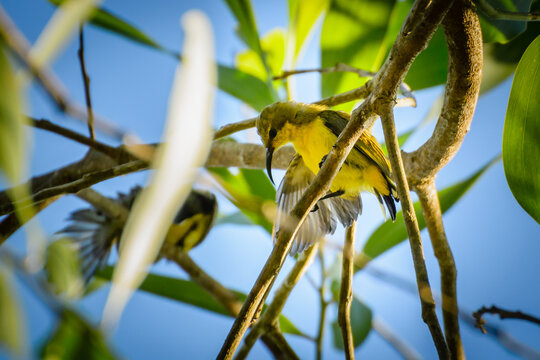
(495, 243)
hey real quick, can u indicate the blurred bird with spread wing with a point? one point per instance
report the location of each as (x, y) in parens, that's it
(95, 233)
(313, 130)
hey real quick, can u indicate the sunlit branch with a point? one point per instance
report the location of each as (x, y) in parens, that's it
(345, 293)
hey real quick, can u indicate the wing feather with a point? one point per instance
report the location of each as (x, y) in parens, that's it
(317, 224)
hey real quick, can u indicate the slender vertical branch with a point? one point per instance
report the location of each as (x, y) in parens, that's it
(86, 82)
(429, 199)
(323, 305)
(269, 318)
(345, 293)
(426, 297)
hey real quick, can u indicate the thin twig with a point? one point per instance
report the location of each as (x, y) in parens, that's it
(269, 318)
(497, 14)
(429, 200)
(505, 339)
(229, 129)
(53, 87)
(323, 303)
(404, 349)
(426, 297)
(86, 82)
(503, 314)
(345, 293)
(44, 124)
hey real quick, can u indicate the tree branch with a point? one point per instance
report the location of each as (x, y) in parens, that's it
(323, 303)
(86, 82)
(503, 314)
(269, 318)
(504, 338)
(345, 293)
(464, 41)
(429, 200)
(426, 297)
(46, 78)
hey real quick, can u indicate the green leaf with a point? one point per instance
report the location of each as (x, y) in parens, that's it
(431, 66)
(353, 33)
(273, 44)
(250, 191)
(63, 268)
(188, 292)
(302, 16)
(247, 29)
(109, 21)
(391, 234)
(500, 60)
(73, 338)
(248, 88)
(12, 150)
(521, 137)
(361, 316)
(502, 31)
(11, 321)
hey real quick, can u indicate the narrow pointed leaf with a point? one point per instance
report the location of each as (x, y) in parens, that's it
(391, 234)
(247, 29)
(302, 17)
(521, 144)
(188, 292)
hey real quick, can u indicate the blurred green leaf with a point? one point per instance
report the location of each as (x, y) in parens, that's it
(302, 16)
(247, 29)
(361, 25)
(11, 320)
(521, 137)
(12, 151)
(502, 31)
(63, 268)
(390, 234)
(500, 60)
(248, 88)
(431, 66)
(273, 44)
(188, 292)
(73, 338)
(250, 191)
(361, 316)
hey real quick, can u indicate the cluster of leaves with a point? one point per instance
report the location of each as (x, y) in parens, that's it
(367, 30)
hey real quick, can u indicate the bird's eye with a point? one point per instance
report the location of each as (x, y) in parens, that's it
(272, 134)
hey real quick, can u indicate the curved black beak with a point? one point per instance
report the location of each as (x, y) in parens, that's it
(269, 154)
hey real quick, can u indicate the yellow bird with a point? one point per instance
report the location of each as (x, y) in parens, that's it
(313, 130)
(94, 233)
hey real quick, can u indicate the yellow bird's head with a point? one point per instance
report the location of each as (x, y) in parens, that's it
(278, 122)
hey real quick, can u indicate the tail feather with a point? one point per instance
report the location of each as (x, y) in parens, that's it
(389, 201)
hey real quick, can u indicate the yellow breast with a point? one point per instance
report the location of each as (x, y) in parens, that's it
(314, 140)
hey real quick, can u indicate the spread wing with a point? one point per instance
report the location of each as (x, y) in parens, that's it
(317, 224)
